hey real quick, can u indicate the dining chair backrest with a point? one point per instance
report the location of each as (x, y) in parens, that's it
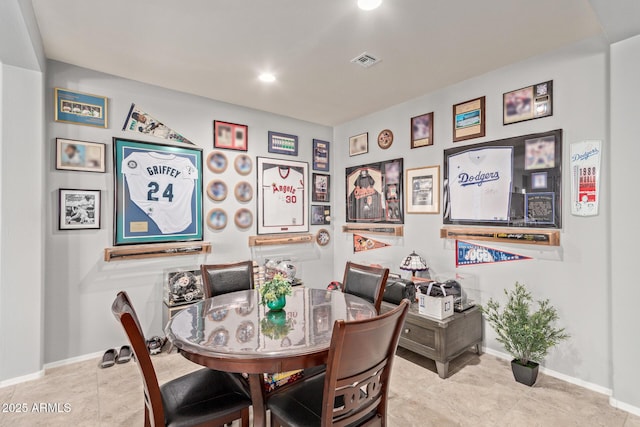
(220, 279)
(366, 282)
(125, 313)
(359, 368)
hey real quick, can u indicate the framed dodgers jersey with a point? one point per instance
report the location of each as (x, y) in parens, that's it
(158, 192)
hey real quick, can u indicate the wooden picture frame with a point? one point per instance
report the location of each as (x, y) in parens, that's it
(359, 144)
(80, 108)
(158, 192)
(217, 190)
(528, 103)
(422, 130)
(321, 188)
(74, 155)
(422, 186)
(243, 192)
(230, 136)
(78, 209)
(282, 196)
(243, 218)
(217, 219)
(283, 143)
(469, 119)
(217, 162)
(321, 155)
(243, 164)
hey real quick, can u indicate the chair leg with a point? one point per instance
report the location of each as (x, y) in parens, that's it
(245, 417)
(147, 420)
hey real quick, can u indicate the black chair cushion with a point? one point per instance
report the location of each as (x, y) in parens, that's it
(201, 396)
(229, 280)
(362, 284)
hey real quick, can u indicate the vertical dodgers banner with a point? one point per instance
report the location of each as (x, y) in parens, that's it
(470, 254)
(585, 177)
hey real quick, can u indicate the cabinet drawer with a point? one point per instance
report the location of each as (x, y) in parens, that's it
(418, 334)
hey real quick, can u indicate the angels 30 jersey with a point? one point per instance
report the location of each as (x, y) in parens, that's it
(283, 192)
(162, 186)
(480, 184)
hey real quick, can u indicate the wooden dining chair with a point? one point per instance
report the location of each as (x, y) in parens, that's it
(220, 279)
(204, 397)
(354, 389)
(366, 282)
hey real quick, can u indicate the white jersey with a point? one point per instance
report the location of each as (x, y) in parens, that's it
(283, 196)
(480, 184)
(162, 186)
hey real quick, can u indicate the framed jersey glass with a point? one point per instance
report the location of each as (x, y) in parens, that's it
(158, 192)
(514, 182)
(282, 196)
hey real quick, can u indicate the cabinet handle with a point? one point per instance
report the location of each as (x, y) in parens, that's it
(407, 330)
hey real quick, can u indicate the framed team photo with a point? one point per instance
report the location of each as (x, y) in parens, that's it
(72, 155)
(80, 108)
(321, 188)
(158, 192)
(79, 209)
(469, 119)
(282, 196)
(230, 136)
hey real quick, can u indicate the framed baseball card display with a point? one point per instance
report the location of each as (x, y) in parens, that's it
(513, 182)
(321, 188)
(230, 136)
(320, 155)
(79, 209)
(282, 143)
(80, 108)
(531, 102)
(375, 192)
(282, 196)
(158, 192)
(469, 119)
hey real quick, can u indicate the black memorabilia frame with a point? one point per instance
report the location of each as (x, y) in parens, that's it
(513, 182)
(321, 188)
(321, 155)
(422, 130)
(158, 192)
(78, 209)
(282, 196)
(320, 214)
(282, 143)
(528, 103)
(375, 192)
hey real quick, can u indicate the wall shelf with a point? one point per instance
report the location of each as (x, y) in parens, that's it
(384, 229)
(280, 239)
(509, 235)
(118, 253)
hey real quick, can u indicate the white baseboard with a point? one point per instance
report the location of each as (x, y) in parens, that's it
(624, 406)
(21, 379)
(72, 360)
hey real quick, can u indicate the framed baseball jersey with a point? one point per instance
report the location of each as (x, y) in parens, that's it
(282, 196)
(158, 192)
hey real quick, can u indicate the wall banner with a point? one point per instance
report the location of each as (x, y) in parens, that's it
(585, 177)
(361, 244)
(139, 121)
(470, 253)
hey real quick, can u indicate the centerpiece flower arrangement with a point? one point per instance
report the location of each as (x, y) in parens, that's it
(273, 292)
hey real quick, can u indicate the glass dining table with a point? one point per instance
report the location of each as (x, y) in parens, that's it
(234, 333)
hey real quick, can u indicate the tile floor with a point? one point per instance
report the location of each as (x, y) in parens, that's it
(480, 391)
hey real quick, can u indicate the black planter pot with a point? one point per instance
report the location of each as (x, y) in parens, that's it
(525, 374)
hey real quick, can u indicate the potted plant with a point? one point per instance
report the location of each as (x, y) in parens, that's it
(525, 335)
(274, 291)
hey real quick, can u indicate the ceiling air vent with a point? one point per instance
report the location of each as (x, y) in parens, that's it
(365, 59)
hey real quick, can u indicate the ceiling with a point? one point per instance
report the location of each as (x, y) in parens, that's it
(216, 48)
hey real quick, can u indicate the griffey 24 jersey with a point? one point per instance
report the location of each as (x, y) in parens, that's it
(480, 184)
(162, 186)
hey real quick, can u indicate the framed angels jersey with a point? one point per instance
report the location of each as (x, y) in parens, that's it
(158, 192)
(282, 196)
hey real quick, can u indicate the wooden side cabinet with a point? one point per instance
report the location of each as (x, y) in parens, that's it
(440, 340)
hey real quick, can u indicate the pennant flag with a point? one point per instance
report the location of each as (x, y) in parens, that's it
(469, 253)
(361, 244)
(139, 121)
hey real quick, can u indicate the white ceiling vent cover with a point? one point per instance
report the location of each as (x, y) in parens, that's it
(365, 59)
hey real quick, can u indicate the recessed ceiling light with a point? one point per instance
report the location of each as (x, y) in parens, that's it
(369, 4)
(267, 78)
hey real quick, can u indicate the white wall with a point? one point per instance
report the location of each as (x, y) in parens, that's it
(574, 276)
(625, 235)
(80, 286)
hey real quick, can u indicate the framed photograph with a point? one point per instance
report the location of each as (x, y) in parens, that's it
(282, 196)
(422, 130)
(282, 143)
(217, 162)
(79, 209)
(243, 164)
(321, 188)
(72, 155)
(243, 192)
(320, 155)
(423, 190)
(80, 108)
(359, 144)
(243, 218)
(320, 215)
(469, 119)
(158, 192)
(217, 190)
(374, 192)
(217, 219)
(527, 103)
(183, 286)
(230, 136)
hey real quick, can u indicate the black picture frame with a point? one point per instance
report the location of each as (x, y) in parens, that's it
(79, 209)
(283, 143)
(321, 191)
(375, 192)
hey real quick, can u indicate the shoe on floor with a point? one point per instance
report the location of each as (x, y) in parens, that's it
(109, 358)
(124, 355)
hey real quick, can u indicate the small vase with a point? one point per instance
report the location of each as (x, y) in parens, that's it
(277, 304)
(526, 375)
